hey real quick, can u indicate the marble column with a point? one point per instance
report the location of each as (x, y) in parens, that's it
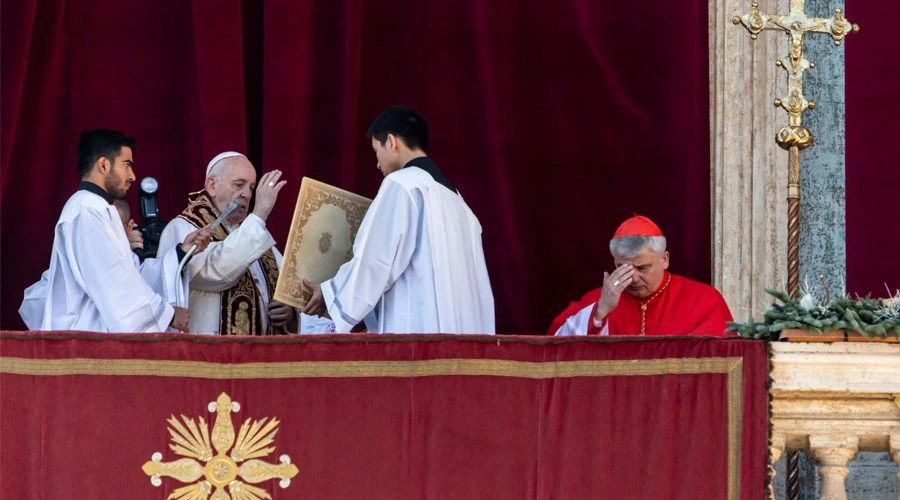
(832, 453)
(823, 247)
(895, 453)
(749, 171)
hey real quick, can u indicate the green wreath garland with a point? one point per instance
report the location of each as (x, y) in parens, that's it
(867, 316)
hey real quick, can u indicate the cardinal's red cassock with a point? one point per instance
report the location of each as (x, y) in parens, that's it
(679, 307)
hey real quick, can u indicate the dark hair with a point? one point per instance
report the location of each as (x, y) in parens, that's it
(403, 123)
(100, 143)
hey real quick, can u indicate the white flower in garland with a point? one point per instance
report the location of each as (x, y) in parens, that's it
(808, 298)
(808, 302)
(890, 306)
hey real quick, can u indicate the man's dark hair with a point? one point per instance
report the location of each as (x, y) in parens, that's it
(104, 143)
(403, 123)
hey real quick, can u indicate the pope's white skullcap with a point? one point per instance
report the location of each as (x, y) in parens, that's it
(219, 157)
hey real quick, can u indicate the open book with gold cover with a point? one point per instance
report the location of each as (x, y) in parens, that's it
(324, 227)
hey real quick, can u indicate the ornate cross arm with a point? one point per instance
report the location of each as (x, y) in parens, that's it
(796, 24)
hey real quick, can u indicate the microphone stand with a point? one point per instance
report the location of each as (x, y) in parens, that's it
(179, 293)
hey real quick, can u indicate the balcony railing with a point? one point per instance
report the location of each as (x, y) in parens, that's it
(835, 400)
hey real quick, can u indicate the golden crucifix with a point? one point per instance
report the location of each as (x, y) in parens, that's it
(795, 137)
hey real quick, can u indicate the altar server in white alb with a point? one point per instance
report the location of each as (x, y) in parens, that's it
(32, 308)
(93, 283)
(418, 264)
(233, 281)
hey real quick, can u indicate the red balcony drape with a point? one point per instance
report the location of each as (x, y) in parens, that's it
(393, 416)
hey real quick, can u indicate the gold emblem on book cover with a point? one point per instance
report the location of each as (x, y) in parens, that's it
(235, 471)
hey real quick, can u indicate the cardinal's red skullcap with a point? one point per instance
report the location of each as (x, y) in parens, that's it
(638, 226)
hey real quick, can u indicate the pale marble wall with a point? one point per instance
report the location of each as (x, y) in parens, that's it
(749, 171)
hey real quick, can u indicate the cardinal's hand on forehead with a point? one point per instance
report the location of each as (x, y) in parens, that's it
(613, 285)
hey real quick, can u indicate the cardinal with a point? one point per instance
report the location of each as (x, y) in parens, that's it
(640, 296)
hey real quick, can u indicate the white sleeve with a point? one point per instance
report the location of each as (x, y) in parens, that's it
(382, 251)
(219, 267)
(578, 323)
(160, 273)
(32, 308)
(316, 324)
(126, 302)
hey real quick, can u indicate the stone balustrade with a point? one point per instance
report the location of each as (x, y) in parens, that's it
(835, 400)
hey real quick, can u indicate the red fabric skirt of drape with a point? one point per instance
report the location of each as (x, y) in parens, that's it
(403, 416)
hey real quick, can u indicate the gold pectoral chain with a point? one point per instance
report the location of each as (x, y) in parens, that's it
(645, 303)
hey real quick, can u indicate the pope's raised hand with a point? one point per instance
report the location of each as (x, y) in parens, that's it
(613, 285)
(267, 193)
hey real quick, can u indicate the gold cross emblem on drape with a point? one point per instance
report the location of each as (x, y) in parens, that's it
(235, 470)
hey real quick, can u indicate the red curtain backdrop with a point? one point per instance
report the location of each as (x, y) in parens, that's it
(555, 120)
(873, 150)
(395, 416)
